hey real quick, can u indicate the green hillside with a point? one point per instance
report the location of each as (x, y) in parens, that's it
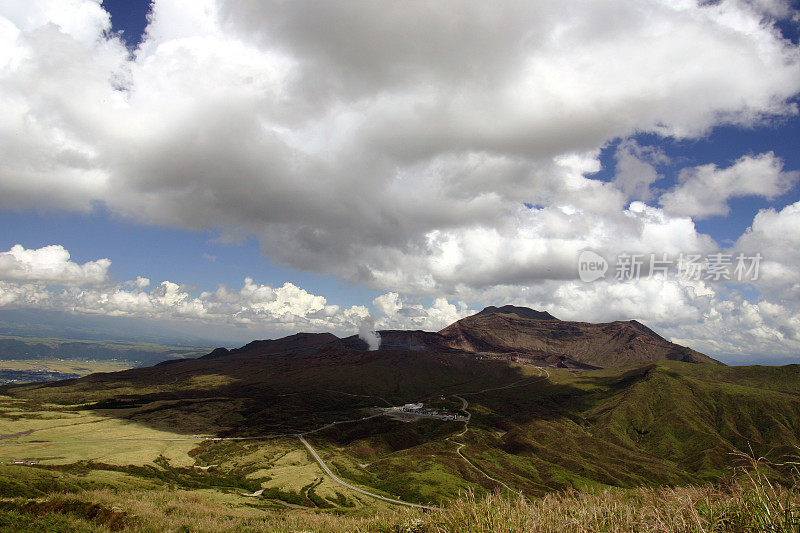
(663, 424)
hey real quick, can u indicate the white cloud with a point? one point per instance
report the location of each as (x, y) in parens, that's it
(282, 310)
(342, 134)
(395, 145)
(706, 316)
(388, 304)
(50, 264)
(398, 314)
(285, 301)
(535, 244)
(636, 168)
(704, 191)
(775, 235)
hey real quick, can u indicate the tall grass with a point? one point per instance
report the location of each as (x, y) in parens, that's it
(763, 504)
(753, 501)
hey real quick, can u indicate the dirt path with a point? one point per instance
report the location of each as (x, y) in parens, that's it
(340, 481)
(15, 435)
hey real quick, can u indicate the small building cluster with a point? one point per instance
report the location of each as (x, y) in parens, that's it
(419, 410)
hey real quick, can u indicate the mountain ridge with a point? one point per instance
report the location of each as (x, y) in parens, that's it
(524, 312)
(526, 335)
(518, 334)
(536, 426)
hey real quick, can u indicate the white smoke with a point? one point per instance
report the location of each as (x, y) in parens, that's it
(368, 334)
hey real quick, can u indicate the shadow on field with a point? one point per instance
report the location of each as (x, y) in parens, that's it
(252, 394)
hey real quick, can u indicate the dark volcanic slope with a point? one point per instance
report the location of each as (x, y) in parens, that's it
(522, 312)
(529, 334)
(518, 332)
(297, 344)
(298, 382)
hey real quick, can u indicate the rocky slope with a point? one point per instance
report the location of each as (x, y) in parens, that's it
(538, 337)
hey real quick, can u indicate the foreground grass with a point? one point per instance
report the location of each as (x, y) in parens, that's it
(751, 503)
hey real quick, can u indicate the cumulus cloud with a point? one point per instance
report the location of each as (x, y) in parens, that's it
(704, 191)
(45, 278)
(388, 304)
(50, 264)
(710, 317)
(285, 309)
(534, 245)
(774, 234)
(341, 134)
(400, 314)
(426, 149)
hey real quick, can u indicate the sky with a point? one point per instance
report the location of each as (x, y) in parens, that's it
(253, 169)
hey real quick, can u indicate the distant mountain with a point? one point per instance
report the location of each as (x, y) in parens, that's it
(538, 337)
(43, 348)
(515, 333)
(537, 430)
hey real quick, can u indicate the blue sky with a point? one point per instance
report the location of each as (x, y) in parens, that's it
(197, 258)
(332, 163)
(129, 17)
(722, 146)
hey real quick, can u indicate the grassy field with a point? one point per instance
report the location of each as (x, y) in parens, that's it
(138, 456)
(594, 439)
(660, 424)
(748, 502)
(69, 366)
(19, 423)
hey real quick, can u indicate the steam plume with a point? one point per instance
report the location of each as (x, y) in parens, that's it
(368, 334)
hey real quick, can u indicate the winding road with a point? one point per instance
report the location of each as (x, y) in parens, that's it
(339, 480)
(543, 372)
(461, 445)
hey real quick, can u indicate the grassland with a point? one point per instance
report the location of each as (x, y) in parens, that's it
(748, 502)
(594, 439)
(669, 423)
(67, 366)
(80, 449)
(40, 426)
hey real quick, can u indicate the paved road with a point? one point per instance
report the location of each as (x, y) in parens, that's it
(464, 407)
(326, 426)
(317, 458)
(339, 480)
(461, 445)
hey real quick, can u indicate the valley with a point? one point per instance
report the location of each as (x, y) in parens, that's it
(311, 421)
